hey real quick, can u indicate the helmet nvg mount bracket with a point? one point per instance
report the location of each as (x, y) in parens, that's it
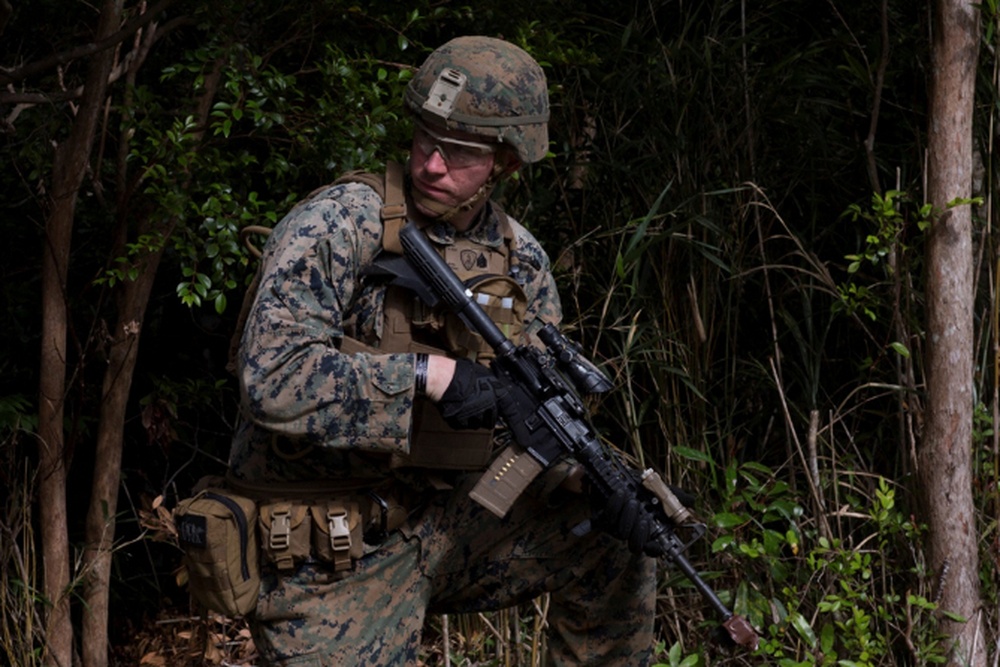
(441, 99)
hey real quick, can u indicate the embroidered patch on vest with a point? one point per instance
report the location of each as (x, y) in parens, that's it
(472, 259)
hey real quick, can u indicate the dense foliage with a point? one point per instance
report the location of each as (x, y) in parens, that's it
(733, 204)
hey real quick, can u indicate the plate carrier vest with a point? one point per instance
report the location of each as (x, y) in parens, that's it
(408, 325)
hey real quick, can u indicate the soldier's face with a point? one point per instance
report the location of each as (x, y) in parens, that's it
(449, 168)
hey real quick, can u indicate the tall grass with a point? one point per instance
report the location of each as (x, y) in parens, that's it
(760, 310)
(21, 634)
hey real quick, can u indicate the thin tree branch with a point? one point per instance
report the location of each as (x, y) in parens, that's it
(132, 60)
(883, 63)
(9, 76)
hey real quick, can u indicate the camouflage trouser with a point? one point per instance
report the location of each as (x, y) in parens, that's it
(457, 557)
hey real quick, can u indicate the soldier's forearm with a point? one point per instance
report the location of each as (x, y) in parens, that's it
(440, 370)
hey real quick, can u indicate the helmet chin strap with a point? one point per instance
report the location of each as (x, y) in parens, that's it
(446, 213)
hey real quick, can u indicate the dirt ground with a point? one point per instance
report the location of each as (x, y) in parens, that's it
(177, 639)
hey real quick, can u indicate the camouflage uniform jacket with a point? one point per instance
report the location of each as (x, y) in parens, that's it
(309, 411)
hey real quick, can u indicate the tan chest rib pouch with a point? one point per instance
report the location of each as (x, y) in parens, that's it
(410, 325)
(504, 302)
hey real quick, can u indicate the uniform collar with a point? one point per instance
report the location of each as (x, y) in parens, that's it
(486, 231)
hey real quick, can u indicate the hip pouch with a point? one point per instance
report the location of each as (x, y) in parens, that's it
(216, 530)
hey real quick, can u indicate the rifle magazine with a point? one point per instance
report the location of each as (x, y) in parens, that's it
(505, 480)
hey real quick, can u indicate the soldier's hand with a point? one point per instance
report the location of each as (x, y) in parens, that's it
(623, 516)
(520, 414)
(470, 401)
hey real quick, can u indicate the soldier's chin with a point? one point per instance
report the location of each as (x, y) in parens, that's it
(424, 211)
(429, 207)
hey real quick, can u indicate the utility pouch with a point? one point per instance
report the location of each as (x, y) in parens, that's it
(216, 531)
(337, 533)
(503, 300)
(437, 445)
(285, 533)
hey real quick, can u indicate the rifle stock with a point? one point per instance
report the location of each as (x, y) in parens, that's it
(557, 405)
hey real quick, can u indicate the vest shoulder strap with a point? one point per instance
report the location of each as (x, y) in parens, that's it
(393, 211)
(389, 188)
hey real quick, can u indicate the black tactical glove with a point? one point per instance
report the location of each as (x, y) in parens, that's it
(530, 431)
(470, 401)
(622, 516)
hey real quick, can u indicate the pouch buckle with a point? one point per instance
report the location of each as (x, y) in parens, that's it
(340, 537)
(281, 529)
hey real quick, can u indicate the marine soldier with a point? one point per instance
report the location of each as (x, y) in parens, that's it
(367, 417)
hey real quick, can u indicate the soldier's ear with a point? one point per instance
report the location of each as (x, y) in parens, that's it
(508, 162)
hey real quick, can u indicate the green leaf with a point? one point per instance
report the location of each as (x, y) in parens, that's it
(675, 653)
(802, 627)
(692, 454)
(827, 637)
(786, 508)
(722, 543)
(900, 349)
(757, 467)
(729, 520)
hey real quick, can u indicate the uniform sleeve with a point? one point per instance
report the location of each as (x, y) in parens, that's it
(532, 270)
(293, 379)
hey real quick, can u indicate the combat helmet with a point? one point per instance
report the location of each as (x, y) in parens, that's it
(487, 87)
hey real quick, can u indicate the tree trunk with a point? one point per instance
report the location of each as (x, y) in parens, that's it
(114, 399)
(108, 458)
(946, 449)
(68, 168)
(51, 455)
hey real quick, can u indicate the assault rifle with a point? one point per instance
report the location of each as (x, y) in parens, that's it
(556, 406)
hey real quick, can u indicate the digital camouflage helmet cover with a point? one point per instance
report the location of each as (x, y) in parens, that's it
(487, 87)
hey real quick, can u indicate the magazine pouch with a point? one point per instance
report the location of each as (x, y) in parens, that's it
(285, 533)
(337, 533)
